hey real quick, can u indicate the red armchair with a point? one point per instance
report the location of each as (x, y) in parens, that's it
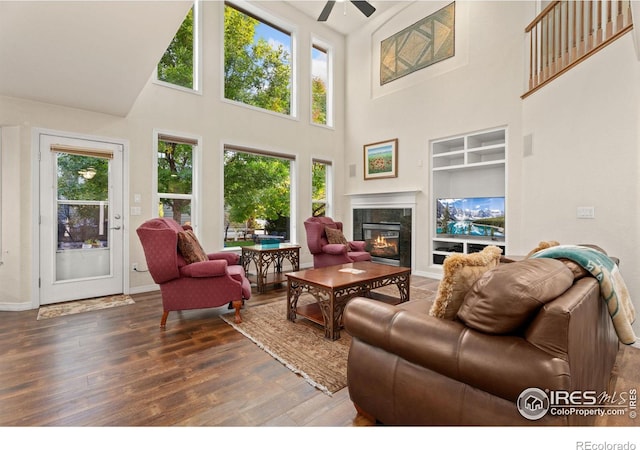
(205, 284)
(327, 254)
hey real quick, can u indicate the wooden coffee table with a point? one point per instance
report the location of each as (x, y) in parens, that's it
(334, 286)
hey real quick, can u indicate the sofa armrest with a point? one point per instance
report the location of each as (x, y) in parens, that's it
(335, 249)
(204, 269)
(357, 246)
(501, 365)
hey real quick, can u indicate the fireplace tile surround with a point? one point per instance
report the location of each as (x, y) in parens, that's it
(386, 221)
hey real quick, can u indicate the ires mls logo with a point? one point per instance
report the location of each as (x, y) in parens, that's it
(534, 403)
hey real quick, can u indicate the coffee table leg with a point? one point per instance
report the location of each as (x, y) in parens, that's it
(293, 294)
(330, 312)
(403, 284)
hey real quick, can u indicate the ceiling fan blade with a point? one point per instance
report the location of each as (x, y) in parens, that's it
(324, 15)
(365, 8)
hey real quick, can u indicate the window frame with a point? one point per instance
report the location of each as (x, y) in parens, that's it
(278, 24)
(328, 200)
(197, 55)
(293, 181)
(328, 50)
(196, 146)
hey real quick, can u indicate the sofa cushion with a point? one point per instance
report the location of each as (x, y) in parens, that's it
(190, 248)
(335, 236)
(460, 272)
(506, 298)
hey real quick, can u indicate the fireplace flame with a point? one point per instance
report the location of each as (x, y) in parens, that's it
(380, 242)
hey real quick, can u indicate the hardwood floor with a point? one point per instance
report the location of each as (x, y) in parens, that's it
(115, 367)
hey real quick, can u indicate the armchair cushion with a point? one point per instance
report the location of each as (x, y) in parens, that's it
(335, 236)
(203, 269)
(232, 258)
(506, 298)
(460, 272)
(190, 248)
(335, 249)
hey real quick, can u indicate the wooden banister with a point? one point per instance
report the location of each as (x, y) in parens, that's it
(567, 32)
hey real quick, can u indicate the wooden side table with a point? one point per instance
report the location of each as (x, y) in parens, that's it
(268, 261)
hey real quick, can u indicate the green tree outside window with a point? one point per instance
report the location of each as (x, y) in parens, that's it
(177, 63)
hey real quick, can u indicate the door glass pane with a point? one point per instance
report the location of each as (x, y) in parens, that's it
(83, 217)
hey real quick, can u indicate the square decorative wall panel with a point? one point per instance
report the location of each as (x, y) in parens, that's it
(426, 42)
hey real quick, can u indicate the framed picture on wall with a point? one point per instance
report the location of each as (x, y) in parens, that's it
(381, 160)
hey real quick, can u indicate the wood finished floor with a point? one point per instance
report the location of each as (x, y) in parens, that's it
(115, 367)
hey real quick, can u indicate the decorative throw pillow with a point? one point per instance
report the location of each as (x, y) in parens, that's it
(335, 236)
(190, 248)
(460, 272)
(505, 299)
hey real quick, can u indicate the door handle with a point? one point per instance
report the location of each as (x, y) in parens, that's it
(117, 227)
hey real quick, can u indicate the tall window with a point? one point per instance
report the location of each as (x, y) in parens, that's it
(257, 193)
(320, 85)
(178, 65)
(175, 165)
(257, 61)
(321, 188)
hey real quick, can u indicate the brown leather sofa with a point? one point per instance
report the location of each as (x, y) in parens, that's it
(406, 367)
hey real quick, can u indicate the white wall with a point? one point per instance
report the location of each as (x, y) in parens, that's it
(207, 115)
(478, 88)
(584, 127)
(585, 153)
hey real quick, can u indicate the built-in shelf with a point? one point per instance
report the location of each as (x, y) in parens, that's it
(466, 166)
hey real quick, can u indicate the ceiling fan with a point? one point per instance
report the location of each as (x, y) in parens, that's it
(364, 7)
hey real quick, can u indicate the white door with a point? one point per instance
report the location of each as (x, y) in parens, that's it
(81, 235)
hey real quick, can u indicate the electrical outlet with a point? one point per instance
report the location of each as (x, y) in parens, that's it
(134, 267)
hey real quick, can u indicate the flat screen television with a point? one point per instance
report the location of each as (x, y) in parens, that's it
(481, 217)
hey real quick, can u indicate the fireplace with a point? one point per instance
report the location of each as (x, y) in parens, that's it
(382, 240)
(386, 232)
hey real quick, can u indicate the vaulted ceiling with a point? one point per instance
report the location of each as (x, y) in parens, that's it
(98, 55)
(93, 55)
(345, 17)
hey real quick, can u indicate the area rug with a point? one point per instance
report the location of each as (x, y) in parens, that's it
(79, 306)
(300, 345)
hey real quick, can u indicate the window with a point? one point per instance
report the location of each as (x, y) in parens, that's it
(257, 61)
(179, 63)
(175, 180)
(320, 85)
(321, 188)
(257, 194)
(82, 197)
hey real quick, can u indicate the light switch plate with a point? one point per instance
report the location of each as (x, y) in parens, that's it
(586, 212)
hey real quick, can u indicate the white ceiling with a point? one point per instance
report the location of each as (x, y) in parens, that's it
(98, 55)
(93, 55)
(345, 17)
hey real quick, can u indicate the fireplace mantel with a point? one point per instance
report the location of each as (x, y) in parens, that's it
(398, 199)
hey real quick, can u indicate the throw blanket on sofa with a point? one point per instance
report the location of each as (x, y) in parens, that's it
(613, 290)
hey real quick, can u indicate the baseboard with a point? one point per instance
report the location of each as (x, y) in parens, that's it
(16, 306)
(144, 289)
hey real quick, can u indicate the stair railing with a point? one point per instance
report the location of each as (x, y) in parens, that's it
(567, 32)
